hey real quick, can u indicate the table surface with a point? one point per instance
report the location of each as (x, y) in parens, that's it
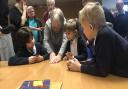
(13, 76)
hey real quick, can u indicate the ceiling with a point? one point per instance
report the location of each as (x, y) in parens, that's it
(39, 2)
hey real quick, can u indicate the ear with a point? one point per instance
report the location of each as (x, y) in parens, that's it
(91, 27)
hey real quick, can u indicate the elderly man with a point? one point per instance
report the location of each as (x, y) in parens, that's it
(54, 37)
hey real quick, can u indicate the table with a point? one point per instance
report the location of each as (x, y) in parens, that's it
(13, 76)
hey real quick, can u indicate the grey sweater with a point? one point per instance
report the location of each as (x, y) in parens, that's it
(54, 41)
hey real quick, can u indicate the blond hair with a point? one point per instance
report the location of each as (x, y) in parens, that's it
(29, 8)
(94, 14)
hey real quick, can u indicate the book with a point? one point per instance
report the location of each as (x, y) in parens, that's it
(40, 84)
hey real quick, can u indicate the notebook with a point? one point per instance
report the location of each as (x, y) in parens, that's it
(40, 84)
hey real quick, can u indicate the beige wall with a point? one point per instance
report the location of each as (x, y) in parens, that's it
(70, 9)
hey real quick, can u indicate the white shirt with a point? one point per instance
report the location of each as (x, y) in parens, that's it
(73, 46)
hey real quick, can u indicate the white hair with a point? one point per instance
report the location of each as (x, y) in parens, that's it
(51, 1)
(94, 14)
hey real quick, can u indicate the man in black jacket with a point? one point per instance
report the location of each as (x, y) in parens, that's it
(110, 49)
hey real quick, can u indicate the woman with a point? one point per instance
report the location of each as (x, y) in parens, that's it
(18, 17)
(34, 24)
(54, 37)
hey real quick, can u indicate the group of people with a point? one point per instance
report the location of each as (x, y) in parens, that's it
(95, 43)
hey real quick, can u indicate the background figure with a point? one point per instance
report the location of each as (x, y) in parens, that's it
(6, 45)
(121, 19)
(18, 14)
(17, 17)
(34, 24)
(3, 13)
(54, 37)
(50, 7)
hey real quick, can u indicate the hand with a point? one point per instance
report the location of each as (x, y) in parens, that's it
(56, 59)
(24, 7)
(52, 57)
(39, 58)
(69, 55)
(65, 58)
(32, 59)
(74, 65)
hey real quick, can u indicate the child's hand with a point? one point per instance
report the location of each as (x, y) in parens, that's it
(65, 58)
(32, 59)
(39, 58)
(69, 55)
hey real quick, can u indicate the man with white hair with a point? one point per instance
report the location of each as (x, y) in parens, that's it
(111, 50)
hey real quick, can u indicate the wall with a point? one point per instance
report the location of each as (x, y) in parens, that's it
(110, 4)
(70, 9)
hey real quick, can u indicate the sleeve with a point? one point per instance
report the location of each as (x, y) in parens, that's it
(15, 19)
(47, 44)
(64, 44)
(44, 52)
(82, 50)
(100, 65)
(15, 60)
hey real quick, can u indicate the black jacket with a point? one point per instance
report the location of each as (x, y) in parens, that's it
(111, 55)
(15, 17)
(22, 55)
(81, 49)
(121, 25)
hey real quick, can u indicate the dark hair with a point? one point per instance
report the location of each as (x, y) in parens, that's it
(23, 36)
(18, 0)
(71, 25)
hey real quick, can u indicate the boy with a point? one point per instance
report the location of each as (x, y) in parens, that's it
(75, 46)
(28, 52)
(111, 50)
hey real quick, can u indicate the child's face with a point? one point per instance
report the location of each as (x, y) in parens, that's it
(70, 35)
(30, 44)
(87, 30)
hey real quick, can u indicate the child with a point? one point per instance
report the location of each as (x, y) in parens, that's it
(75, 46)
(111, 50)
(28, 51)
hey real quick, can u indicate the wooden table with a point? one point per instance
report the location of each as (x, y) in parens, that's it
(13, 76)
